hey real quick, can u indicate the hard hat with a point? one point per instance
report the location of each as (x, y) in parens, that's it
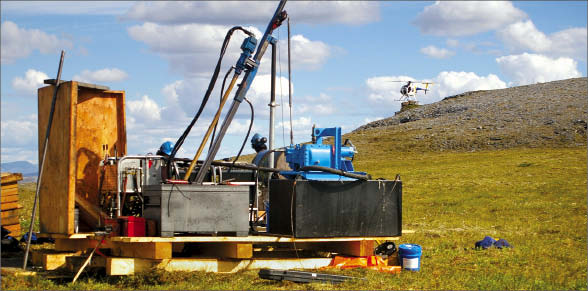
(255, 138)
(166, 147)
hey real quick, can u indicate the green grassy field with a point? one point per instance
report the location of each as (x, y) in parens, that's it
(534, 198)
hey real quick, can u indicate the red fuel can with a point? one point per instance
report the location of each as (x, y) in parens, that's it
(132, 226)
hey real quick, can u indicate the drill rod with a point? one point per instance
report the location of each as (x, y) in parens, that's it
(42, 164)
(211, 127)
(241, 93)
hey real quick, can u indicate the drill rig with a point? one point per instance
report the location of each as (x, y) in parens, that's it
(321, 195)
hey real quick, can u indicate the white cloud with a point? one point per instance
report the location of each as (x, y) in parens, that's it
(523, 36)
(19, 133)
(305, 53)
(383, 93)
(236, 12)
(65, 7)
(144, 110)
(240, 127)
(100, 76)
(452, 42)
(19, 42)
(452, 83)
(28, 85)
(527, 68)
(193, 49)
(438, 53)
(321, 105)
(572, 42)
(461, 18)
(300, 126)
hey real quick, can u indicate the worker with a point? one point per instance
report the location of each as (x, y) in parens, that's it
(258, 143)
(165, 149)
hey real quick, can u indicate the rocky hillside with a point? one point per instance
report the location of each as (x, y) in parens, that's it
(539, 115)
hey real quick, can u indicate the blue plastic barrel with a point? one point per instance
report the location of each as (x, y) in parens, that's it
(410, 256)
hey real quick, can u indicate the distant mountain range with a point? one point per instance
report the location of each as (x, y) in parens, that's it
(25, 168)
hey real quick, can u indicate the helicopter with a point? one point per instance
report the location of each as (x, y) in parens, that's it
(410, 89)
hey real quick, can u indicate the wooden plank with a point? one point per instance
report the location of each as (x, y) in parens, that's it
(158, 250)
(127, 266)
(9, 213)
(56, 201)
(130, 266)
(251, 238)
(9, 186)
(8, 178)
(14, 229)
(7, 198)
(70, 236)
(50, 260)
(10, 220)
(10, 206)
(80, 84)
(227, 250)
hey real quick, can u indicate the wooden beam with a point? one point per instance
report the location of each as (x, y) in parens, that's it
(9, 213)
(10, 220)
(50, 260)
(127, 266)
(8, 178)
(10, 206)
(144, 250)
(251, 238)
(6, 197)
(130, 266)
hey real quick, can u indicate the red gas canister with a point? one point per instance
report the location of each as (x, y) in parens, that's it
(132, 226)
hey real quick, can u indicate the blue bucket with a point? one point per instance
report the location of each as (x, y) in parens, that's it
(410, 256)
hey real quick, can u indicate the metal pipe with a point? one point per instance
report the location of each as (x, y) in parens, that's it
(211, 127)
(241, 93)
(272, 105)
(290, 87)
(42, 164)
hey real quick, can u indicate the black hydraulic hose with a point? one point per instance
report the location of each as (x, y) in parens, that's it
(246, 136)
(307, 168)
(182, 138)
(221, 100)
(335, 171)
(248, 166)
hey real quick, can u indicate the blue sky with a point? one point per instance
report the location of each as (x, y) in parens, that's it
(344, 56)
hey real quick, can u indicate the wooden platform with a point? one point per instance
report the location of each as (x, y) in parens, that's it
(129, 255)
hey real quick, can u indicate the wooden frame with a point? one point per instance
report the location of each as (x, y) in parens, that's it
(85, 119)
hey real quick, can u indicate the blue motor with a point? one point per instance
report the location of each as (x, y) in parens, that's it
(333, 156)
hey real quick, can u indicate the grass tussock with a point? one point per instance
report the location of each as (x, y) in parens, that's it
(534, 198)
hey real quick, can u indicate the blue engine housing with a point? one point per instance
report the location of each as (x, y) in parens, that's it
(318, 154)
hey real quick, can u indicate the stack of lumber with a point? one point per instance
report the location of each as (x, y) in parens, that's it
(9, 203)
